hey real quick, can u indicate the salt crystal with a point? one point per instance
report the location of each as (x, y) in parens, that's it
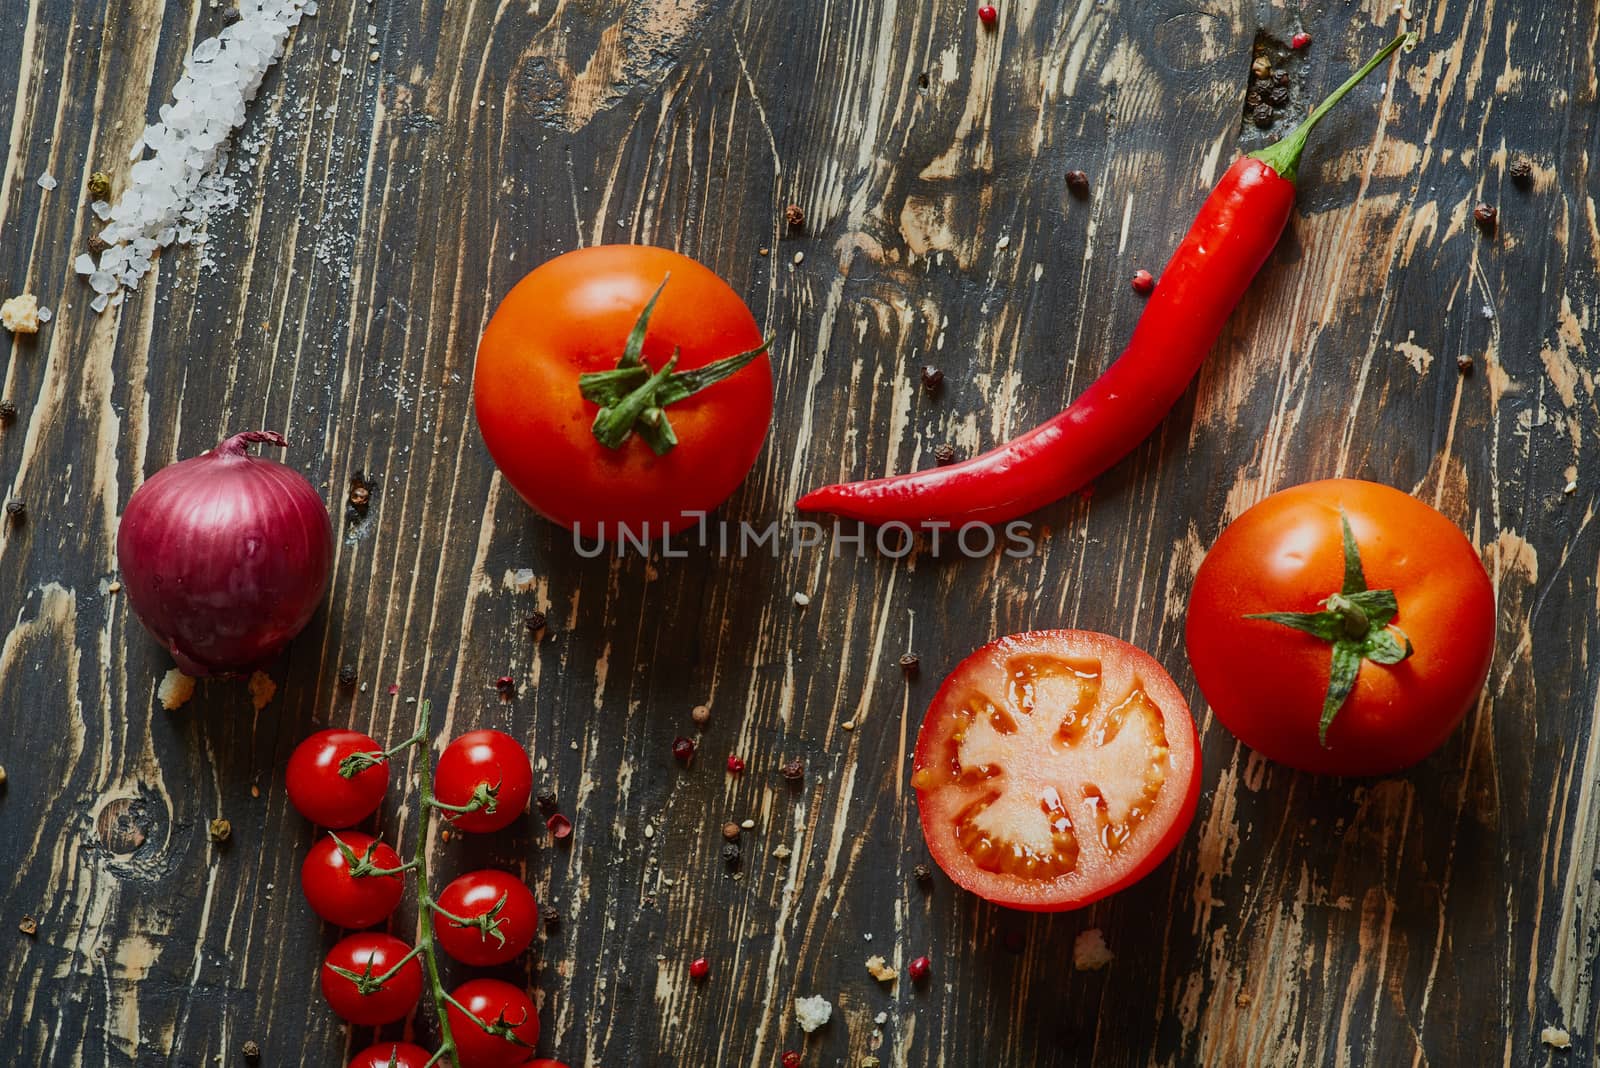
(101, 209)
(99, 303)
(47, 181)
(84, 264)
(102, 282)
(336, 55)
(45, 315)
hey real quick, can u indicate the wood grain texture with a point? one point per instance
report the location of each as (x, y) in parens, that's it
(1440, 917)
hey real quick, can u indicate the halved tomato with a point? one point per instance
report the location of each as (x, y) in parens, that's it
(1055, 767)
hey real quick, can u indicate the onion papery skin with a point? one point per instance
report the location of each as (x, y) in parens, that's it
(226, 556)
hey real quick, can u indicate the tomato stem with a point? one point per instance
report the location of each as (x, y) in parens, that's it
(1356, 621)
(633, 399)
(484, 797)
(425, 943)
(1284, 156)
(356, 763)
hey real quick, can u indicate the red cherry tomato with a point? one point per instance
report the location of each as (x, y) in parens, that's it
(354, 984)
(340, 896)
(323, 795)
(505, 914)
(1268, 683)
(573, 315)
(504, 1027)
(489, 765)
(1054, 768)
(392, 1055)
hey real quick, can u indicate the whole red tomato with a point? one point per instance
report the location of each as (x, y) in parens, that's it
(488, 772)
(485, 918)
(336, 778)
(573, 316)
(392, 1055)
(1054, 768)
(357, 979)
(349, 892)
(503, 1028)
(1272, 681)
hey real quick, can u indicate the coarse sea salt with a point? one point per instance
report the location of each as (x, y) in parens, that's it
(47, 181)
(183, 182)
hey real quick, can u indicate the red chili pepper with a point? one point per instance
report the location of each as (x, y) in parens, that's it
(1232, 236)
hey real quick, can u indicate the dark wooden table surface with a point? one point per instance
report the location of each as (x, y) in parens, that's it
(1439, 917)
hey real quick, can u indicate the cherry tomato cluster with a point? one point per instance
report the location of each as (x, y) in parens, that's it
(337, 778)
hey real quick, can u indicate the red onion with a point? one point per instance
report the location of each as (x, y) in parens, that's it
(226, 556)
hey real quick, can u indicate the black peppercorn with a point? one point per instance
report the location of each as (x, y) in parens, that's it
(1464, 364)
(8, 411)
(1078, 183)
(1262, 116)
(795, 216)
(909, 662)
(732, 854)
(535, 622)
(793, 770)
(1252, 100)
(932, 379)
(1280, 77)
(251, 1051)
(16, 511)
(347, 675)
(1278, 95)
(1521, 170)
(547, 802)
(1485, 216)
(923, 873)
(944, 453)
(552, 918)
(98, 244)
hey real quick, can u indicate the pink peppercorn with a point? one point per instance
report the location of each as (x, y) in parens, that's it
(559, 826)
(919, 969)
(1299, 40)
(987, 14)
(682, 750)
(1143, 282)
(791, 1059)
(699, 968)
(735, 764)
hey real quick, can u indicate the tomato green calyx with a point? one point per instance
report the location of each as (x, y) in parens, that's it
(1356, 621)
(633, 399)
(1284, 156)
(485, 799)
(362, 867)
(501, 1028)
(356, 763)
(487, 923)
(368, 983)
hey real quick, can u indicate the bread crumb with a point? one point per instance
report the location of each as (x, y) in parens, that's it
(20, 314)
(1089, 951)
(261, 689)
(881, 971)
(782, 852)
(175, 690)
(1556, 1037)
(812, 1012)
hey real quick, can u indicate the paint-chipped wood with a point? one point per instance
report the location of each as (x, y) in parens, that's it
(1440, 917)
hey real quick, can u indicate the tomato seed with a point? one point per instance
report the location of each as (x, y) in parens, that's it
(699, 968)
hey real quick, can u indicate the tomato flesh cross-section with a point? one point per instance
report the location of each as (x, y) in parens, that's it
(1054, 768)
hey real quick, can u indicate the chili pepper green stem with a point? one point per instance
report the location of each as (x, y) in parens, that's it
(1284, 157)
(430, 957)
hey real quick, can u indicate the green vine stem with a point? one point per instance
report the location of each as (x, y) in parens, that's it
(430, 955)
